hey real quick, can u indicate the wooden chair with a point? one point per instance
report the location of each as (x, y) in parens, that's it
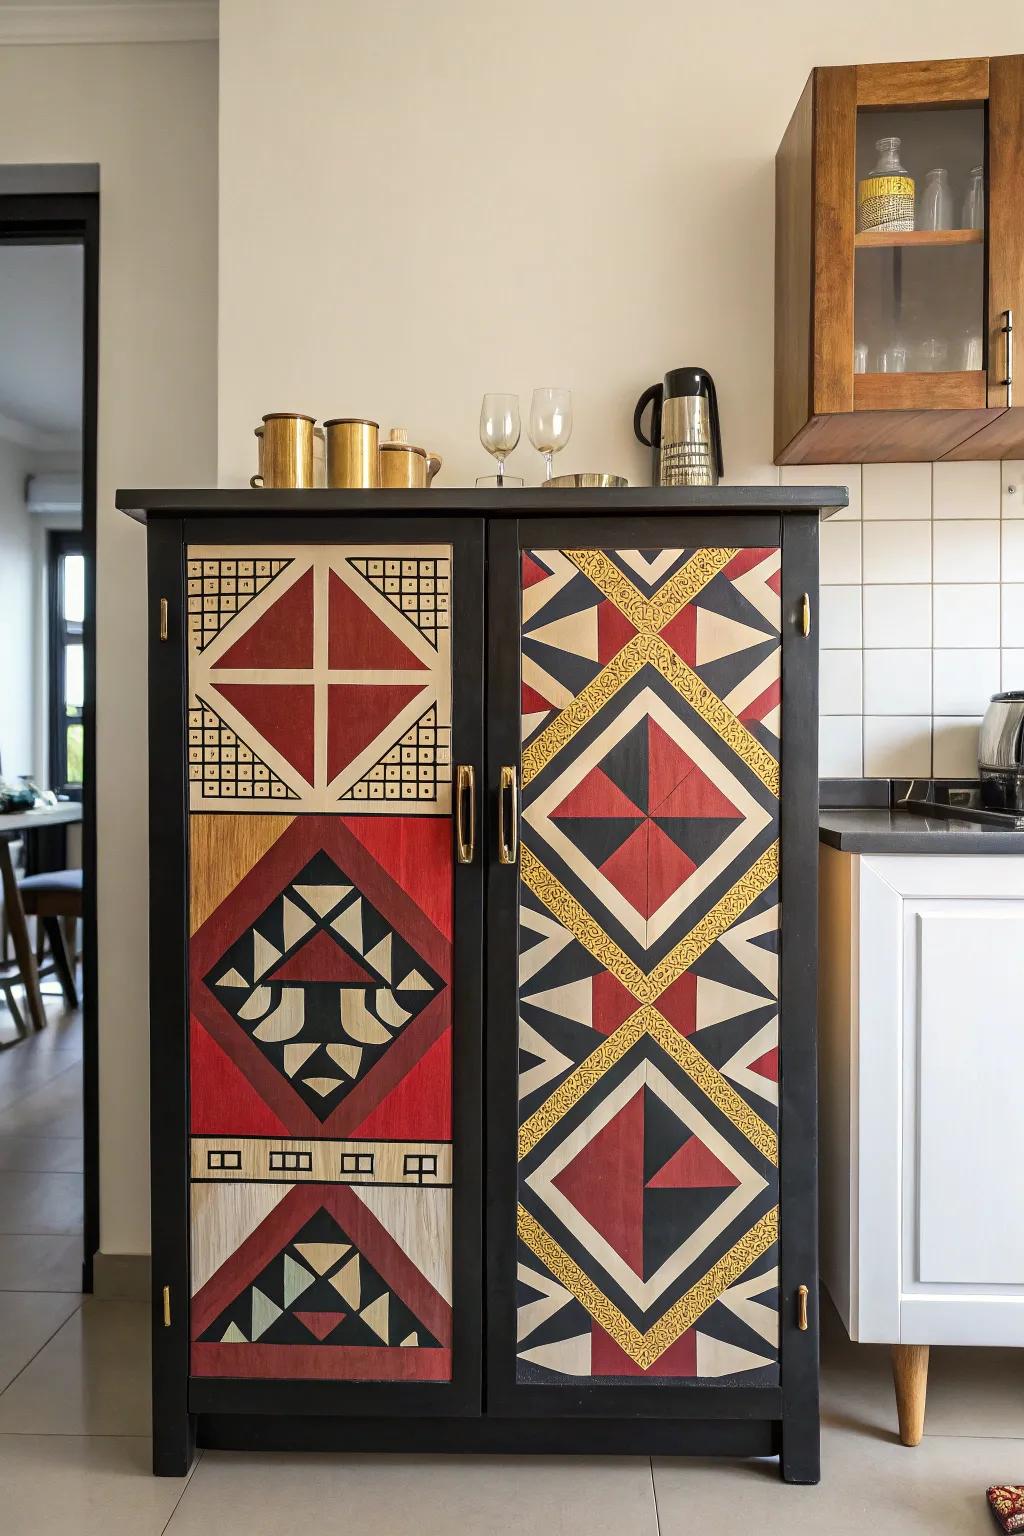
(49, 897)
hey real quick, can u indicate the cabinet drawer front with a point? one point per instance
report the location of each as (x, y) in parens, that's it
(647, 1177)
(322, 898)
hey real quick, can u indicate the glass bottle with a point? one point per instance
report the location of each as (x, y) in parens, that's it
(885, 198)
(974, 201)
(936, 201)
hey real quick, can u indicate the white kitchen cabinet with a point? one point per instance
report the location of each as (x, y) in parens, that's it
(922, 1137)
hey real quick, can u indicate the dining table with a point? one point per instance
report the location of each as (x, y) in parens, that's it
(15, 825)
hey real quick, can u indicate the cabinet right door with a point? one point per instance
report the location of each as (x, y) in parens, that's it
(634, 1234)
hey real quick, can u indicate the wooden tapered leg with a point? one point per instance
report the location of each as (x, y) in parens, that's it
(910, 1378)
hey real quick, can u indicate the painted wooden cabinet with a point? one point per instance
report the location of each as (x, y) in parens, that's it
(483, 1051)
(922, 975)
(896, 295)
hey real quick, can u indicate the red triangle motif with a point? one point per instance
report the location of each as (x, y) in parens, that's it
(356, 715)
(627, 868)
(667, 868)
(320, 1324)
(596, 795)
(745, 560)
(667, 765)
(533, 702)
(222, 1100)
(681, 634)
(357, 640)
(532, 572)
(611, 1003)
(412, 852)
(696, 796)
(694, 1166)
(282, 713)
(613, 630)
(764, 703)
(604, 1182)
(280, 637)
(767, 1065)
(419, 1107)
(678, 1003)
(321, 959)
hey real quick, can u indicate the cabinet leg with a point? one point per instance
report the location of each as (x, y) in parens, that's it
(910, 1378)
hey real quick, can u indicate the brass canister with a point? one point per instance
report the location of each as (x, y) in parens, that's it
(404, 466)
(353, 462)
(319, 457)
(286, 452)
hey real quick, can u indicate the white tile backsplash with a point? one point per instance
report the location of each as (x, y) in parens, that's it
(897, 682)
(966, 551)
(897, 616)
(840, 553)
(955, 748)
(839, 617)
(897, 492)
(841, 746)
(966, 490)
(965, 614)
(964, 681)
(897, 552)
(895, 745)
(921, 612)
(840, 682)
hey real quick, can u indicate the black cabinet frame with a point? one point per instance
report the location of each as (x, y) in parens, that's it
(483, 1409)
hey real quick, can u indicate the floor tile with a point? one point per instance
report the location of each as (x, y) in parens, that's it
(870, 1483)
(22, 1075)
(40, 1202)
(40, 1154)
(40, 1261)
(418, 1496)
(79, 1487)
(91, 1379)
(27, 1321)
(55, 1109)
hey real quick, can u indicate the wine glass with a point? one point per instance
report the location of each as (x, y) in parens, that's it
(550, 422)
(499, 427)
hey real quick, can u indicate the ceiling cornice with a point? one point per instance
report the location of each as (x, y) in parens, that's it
(12, 431)
(100, 21)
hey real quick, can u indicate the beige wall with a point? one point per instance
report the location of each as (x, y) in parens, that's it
(419, 203)
(147, 114)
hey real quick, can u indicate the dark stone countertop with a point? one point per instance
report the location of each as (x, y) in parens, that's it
(879, 830)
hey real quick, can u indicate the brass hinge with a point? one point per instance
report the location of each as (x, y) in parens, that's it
(167, 1306)
(163, 618)
(801, 1308)
(805, 615)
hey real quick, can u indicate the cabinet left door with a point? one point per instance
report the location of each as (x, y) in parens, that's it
(333, 1024)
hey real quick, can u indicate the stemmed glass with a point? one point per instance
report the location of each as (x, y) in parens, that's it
(550, 422)
(499, 427)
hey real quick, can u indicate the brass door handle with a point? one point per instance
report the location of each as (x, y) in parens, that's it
(805, 615)
(508, 816)
(465, 812)
(801, 1308)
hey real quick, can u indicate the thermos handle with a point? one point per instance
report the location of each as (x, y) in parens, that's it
(651, 396)
(716, 429)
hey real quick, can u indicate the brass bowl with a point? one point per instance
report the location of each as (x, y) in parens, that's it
(587, 480)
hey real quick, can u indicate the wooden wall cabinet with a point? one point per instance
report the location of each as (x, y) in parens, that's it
(403, 742)
(930, 310)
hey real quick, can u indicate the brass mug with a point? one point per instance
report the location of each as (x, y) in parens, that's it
(404, 466)
(286, 452)
(353, 462)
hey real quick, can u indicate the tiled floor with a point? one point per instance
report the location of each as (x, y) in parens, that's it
(74, 1413)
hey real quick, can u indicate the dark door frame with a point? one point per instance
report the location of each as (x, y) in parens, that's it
(39, 213)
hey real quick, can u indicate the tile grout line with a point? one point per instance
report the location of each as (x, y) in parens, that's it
(48, 1340)
(187, 1485)
(654, 1490)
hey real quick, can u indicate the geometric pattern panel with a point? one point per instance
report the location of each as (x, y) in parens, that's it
(320, 1089)
(648, 968)
(320, 675)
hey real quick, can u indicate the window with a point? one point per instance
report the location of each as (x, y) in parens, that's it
(67, 662)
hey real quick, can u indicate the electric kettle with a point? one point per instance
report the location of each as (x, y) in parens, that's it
(1001, 753)
(685, 437)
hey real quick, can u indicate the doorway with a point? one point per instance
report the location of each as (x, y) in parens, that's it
(49, 257)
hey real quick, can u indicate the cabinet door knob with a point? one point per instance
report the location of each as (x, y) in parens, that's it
(465, 812)
(801, 1308)
(508, 816)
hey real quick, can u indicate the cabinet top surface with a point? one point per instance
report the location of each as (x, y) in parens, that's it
(437, 502)
(874, 830)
